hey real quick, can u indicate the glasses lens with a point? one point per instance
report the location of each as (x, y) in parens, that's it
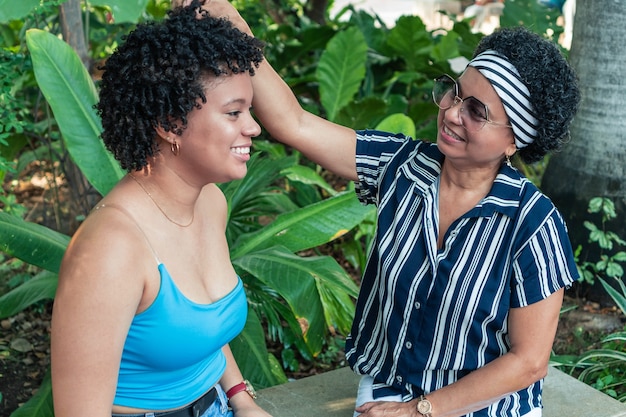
(475, 112)
(444, 90)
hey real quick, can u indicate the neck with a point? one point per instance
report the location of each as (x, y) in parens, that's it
(473, 180)
(174, 196)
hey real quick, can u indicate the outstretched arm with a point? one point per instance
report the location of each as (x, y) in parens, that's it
(328, 144)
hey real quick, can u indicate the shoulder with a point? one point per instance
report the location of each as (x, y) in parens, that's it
(104, 251)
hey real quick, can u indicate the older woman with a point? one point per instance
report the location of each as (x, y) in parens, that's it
(461, 295)
(148, 299)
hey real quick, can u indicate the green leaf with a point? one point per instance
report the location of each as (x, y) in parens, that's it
(123, 10)
(253, 359)
(297, 280)
(599, 354)
(41, 287)
(447, 48)
(16, 10)
(307, 227)
(620, 256)
(398, 123)
(306, 175)
(363, 113)
(40, 405)
(619, 336)
(614, 270)
(32, 243)
(620, 299)
(341, 70)
(411, 41)
(68, 88)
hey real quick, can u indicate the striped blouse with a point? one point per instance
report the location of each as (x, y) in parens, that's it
(425, 316)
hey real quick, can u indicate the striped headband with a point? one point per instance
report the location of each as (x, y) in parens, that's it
(515, 96)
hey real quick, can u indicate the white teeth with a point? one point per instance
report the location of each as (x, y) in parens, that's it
(451, 133)
(242, 150)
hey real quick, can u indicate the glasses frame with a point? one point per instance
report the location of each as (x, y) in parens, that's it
(456, 99)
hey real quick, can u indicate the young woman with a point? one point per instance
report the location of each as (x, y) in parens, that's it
(148, 299)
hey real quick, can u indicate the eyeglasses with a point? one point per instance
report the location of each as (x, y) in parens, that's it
(473, 113)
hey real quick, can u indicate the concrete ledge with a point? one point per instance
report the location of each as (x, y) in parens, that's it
(332, 394)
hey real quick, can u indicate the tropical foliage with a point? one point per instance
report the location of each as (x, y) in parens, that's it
(603, 367)
(355, 71)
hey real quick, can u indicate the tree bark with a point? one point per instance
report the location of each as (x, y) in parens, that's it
(316, 10)
(83, 194)
(593, 164)
(73, 30)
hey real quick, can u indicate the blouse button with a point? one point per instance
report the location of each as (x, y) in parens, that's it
(408, 345)
(417, 305)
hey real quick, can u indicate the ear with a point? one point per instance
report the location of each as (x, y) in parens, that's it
(168, 137)
(510, 150)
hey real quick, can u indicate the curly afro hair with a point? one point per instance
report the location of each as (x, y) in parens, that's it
(155, 78)
(551, 81)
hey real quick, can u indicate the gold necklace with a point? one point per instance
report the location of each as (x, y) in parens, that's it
(159, 207)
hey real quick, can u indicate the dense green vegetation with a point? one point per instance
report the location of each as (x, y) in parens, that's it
(353, 70)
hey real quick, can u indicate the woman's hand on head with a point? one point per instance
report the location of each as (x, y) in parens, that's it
(220, 8)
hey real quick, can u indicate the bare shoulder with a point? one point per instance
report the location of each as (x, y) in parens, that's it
(103, 252)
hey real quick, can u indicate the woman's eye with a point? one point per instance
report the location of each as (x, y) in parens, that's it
(476, 110)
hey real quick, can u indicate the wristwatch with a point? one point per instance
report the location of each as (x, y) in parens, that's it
(424, 407)
(244, 385)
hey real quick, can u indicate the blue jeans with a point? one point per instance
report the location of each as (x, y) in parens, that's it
(219, 408)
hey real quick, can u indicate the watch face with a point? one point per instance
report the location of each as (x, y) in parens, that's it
(424, 406)
(250, 389)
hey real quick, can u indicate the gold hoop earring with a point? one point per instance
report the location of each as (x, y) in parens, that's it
(507, 160)
(175, 148)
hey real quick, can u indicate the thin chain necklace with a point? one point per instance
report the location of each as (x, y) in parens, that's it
(159, 207)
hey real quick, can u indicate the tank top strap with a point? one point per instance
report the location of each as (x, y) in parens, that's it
(124, 211)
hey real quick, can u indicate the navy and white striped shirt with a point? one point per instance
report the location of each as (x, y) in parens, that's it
(425, 316)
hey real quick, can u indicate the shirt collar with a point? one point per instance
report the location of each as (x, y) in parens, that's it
(424, 166)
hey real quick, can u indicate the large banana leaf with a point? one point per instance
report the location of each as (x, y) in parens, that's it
(41, 287)
(15, 10)
(341, 70)
(298, 280)
(123, 10)
(32, 243)
(253, 359)
(307, 227)
(69, 90)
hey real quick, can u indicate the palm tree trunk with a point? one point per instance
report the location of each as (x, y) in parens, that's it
(593, 164)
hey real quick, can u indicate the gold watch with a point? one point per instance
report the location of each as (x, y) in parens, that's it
(424, 407)
(244, 385)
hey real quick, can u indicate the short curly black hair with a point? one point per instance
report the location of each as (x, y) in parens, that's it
(552, 83)
(155, 78)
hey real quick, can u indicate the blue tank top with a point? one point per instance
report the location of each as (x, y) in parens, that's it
(172, 354)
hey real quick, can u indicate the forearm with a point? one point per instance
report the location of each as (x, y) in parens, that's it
(505, 375)
(330, 145)
(241, 403)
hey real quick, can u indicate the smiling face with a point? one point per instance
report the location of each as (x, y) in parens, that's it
(215, 146)
(486, 147)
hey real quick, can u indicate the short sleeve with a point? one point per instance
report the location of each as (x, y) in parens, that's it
(544, 264)
(374, 150)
